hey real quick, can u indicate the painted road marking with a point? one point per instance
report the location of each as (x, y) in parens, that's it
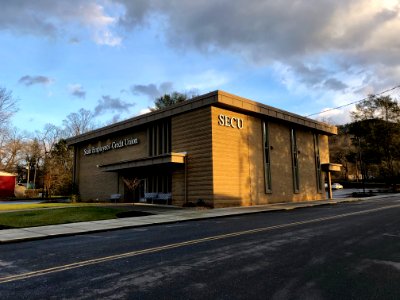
(89, 262)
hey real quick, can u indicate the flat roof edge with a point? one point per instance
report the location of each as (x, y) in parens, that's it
(194, 103)
(245, 104)
(219, 98)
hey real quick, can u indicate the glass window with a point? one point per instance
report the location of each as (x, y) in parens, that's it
(159, 138)
(295, 161)
(267, 158)
(317, 162)
(159, 184)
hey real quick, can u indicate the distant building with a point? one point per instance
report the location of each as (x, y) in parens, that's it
(217, 148)
(7, 184)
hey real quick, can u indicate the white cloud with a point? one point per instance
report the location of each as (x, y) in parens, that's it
(115, 105)
(144, 111)
(207, 80)
(77, 90)
(106, 37)
(58, 18)
(335, 116)
(38, 79)
(320, 42)
(151, 90)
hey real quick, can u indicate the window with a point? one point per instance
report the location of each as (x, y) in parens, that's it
(267, 158)
(317, 162)
(159, 184)
(159, 138)
(295, 161)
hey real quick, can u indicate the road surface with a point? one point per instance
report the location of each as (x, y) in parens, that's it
(345, 251)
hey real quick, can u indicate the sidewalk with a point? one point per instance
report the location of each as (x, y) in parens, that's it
(163, 215)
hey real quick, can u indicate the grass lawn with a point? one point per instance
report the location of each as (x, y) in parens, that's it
(5, 207)
(41, 217)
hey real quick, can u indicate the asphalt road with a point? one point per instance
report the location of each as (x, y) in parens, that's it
(346, 251)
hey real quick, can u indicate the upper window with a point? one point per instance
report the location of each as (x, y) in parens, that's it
(267, 158)
(317, 162)
(159, 138)
(295, 161)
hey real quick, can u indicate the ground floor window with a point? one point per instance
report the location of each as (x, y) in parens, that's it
(136, 189)
(158, 184)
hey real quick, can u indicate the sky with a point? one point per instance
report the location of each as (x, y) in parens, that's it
(114, 57)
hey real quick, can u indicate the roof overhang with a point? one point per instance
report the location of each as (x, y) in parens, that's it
(331, 167)
(170, 158)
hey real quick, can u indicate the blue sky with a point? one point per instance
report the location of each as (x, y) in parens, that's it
(114, 57)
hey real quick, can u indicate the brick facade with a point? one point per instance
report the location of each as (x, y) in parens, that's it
(221, 137)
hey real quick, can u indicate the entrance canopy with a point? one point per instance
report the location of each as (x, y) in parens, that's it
(169, 158)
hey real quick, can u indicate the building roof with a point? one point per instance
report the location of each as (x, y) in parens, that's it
(6, 174)
(216, 98)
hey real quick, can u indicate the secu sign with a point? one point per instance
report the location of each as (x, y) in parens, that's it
(232, 122)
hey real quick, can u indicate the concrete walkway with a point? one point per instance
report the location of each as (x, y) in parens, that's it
(162, 215)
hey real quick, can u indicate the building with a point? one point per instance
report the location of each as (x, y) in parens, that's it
(217, 148)
(7, 184)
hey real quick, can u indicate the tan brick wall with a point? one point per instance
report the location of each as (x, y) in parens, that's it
(281, 163)
(230, 154)
(324, 148)
(191, 133)
(238, 162)
(95, 184)
(307, 168)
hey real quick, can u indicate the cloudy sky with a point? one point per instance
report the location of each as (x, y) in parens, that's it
(114, 57)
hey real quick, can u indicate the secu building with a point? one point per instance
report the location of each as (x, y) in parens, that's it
(217, 148)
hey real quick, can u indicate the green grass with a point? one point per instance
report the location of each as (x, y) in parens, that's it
(5, 207)
(42, 217)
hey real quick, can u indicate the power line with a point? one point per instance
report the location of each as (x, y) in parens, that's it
(354, 102)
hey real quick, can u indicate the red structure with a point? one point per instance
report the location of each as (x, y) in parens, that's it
(7, 184)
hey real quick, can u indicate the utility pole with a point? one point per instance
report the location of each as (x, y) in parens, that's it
(361, 165)
(27, 179)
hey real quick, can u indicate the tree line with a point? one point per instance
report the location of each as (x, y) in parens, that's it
(369, 146)
(42, 159)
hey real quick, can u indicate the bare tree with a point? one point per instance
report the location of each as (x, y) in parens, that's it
(55, 159)
(11, 149)
(33, 159)
(49, 136)
(8, 106)
(58, 171)
(9, 144)
(78, 123)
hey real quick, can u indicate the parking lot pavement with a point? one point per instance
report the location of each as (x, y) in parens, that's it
(347, 193)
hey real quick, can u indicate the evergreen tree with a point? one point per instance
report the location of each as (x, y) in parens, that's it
(168, 100)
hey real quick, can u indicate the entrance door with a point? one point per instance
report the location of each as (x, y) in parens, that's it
(134, 190)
